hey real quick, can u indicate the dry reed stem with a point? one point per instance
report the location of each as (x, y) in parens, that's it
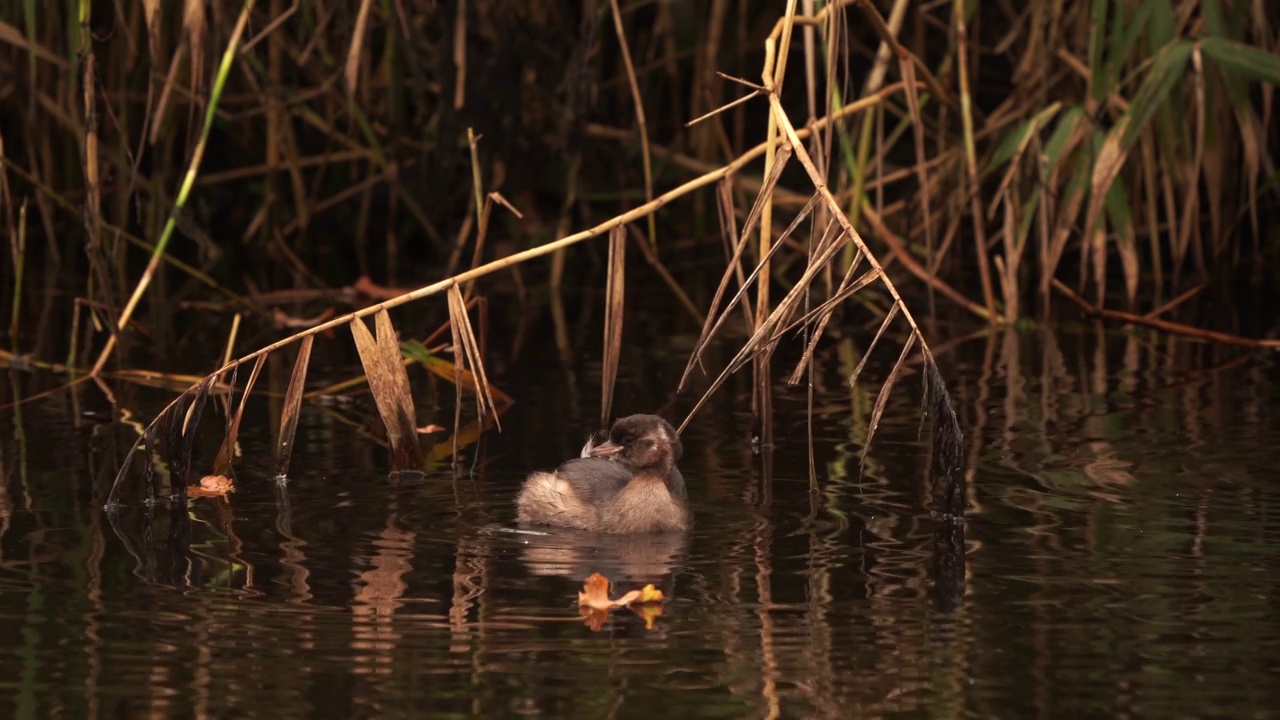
(460, 56)
(351, 73)
(734, 266)
(90, 156)
(182, 436)
(194, 23)
(821, 315)
(888, 36)
(904, 255)
(192, 170)
(672, 284)
(1165, 325)
(803, 156)
(1168, 306)
(759, 348)
(641, 124)
(971, 158)
(729, 235)
(452, 284)
(917, 125)
(11, 35)
(564, 242)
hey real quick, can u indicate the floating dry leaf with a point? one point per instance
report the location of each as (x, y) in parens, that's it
(595, 592)
(594, 602)
(211, 486)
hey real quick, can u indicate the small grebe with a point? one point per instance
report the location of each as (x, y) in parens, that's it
(629, 484)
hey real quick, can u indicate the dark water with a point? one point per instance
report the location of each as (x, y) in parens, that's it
(1119, 556)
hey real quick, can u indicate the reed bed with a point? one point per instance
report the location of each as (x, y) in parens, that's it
(999, 155)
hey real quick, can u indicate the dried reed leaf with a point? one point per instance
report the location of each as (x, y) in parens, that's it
(352, 71)
(822, 313)
(194, 24)
(1105, 168)
(1166, 70)
(672, 284)
(1063, 230)
(888, 318)
(1120, 218)
(713, 323)
(223, 463)
(466, 435)
(765, 339)
(151, 10)
(467, 352)
(149, 474)
(908, 70)
(766, 336)
(829, 305)
(292, 407)
(1190, 201)
(12, 35)
(182, 434)
(449, 371)
(389, 385)
(783, 155)
(166, 91)
(729, 233)
(1013, 147)
(1240, 62)
(615, 296)
(882, 399)
(228, 417)
(177, 382)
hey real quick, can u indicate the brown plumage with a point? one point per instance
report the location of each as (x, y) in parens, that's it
(629, 484)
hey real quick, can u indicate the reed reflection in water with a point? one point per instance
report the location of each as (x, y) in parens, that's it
(1114, 556)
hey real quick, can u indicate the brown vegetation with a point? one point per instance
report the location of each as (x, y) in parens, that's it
(979, 148)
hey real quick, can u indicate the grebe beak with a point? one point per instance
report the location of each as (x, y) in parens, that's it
(604, 449)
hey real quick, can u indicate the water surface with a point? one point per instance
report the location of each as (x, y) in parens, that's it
(1118, 555)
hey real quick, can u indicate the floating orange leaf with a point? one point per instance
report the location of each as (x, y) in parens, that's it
(594, 602)
(595, 593)
(211, 486)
